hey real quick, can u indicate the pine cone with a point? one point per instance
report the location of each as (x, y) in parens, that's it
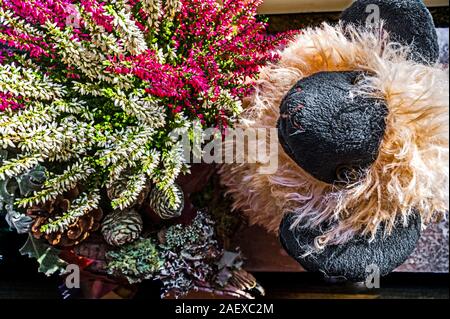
(159, 203)
(75, 233)
(122, 227)
(117, 188)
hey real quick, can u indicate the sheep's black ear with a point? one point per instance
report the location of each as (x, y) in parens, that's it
(408, 21)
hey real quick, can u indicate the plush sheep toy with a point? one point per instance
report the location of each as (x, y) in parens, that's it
(361, 110)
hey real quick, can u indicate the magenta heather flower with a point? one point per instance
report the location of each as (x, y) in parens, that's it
(41, 11)
(7, 101)
(204, 51)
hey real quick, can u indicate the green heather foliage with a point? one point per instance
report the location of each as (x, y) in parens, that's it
(92, 89)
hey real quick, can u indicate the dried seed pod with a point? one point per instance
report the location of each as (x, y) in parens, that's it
(76, 233)
(159, 202)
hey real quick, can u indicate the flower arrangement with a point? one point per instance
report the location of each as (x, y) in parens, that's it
(90, 91)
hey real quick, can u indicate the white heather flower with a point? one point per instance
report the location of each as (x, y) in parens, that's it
(153, 9)
(171, 7)
(132, 37)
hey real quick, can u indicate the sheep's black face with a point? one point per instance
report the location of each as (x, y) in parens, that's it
(329, 131)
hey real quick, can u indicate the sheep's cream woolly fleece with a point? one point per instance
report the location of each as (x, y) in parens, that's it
(411, 171)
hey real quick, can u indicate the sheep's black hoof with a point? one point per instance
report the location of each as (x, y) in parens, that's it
(357, 259)
(408, 21)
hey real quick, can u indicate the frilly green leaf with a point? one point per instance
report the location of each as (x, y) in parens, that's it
(47, 256)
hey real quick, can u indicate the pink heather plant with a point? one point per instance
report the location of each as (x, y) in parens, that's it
(7, 101)
(186, 56)
(91, 89)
